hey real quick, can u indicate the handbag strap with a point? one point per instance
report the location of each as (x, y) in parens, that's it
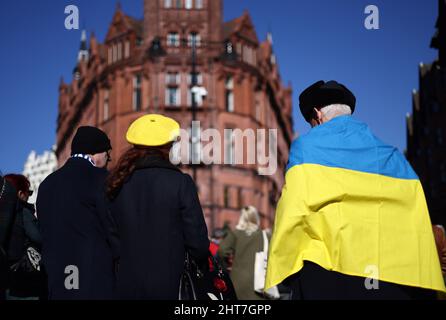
(265, 243)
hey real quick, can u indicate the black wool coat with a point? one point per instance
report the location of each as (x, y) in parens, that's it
(159, 216)
(76, 232)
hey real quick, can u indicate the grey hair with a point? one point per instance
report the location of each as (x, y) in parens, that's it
(334, 110)
(249, 220)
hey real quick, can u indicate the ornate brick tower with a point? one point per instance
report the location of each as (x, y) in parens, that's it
(154, 65)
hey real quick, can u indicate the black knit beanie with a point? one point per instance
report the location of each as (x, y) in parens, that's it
(90, 140)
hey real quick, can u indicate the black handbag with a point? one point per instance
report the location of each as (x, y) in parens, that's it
(29, 263)
(26, 277)
(205, 282)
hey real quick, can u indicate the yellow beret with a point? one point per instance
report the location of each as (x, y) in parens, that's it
(153, 130)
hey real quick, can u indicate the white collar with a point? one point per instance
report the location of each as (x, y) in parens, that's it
(84, 156)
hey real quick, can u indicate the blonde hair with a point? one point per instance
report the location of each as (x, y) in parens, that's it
(249, 220)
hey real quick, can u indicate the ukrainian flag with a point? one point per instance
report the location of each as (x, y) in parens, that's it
(353, 204)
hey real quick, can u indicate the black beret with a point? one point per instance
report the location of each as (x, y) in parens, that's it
(90, 140)
(321, 94)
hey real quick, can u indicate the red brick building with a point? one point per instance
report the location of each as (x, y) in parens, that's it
(145, 66)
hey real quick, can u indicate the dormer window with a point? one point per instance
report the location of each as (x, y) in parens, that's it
(188, 4)
(173, 39)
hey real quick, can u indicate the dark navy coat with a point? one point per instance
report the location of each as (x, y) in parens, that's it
(76, 232)
(159, 216)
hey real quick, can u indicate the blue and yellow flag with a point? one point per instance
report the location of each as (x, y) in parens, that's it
(353, 204)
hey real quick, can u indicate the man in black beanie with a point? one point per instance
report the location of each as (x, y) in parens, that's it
(323, 101)
(92, 144)
(77, 238)
(352, 212)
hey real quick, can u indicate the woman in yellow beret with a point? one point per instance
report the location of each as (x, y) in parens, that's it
(157, 213)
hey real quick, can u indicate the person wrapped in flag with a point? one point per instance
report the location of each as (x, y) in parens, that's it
(352, 221)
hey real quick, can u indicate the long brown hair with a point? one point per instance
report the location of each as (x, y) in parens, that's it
(127, 165)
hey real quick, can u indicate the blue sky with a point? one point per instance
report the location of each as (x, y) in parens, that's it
(313, 40)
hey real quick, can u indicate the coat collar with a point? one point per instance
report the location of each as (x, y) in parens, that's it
(80, 162)
(84, 156)
(155, 162)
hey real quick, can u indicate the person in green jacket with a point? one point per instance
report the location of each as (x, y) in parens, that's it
(242, 244)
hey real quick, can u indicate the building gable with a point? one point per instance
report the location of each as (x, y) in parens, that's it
(241, 27)
(122, 24)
